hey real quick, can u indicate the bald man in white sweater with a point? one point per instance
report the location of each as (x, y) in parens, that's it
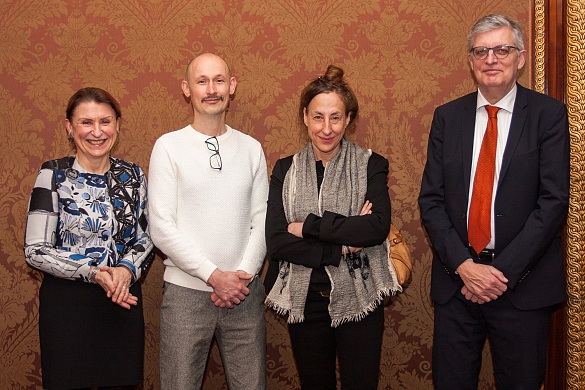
(207, 193)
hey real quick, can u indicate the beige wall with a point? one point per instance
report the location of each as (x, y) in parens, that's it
(402, 57)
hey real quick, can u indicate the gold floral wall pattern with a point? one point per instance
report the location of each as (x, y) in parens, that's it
(402, 57)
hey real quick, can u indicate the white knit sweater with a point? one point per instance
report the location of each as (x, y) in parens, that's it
(203, 218)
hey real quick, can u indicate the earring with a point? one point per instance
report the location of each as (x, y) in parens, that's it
(70, 135)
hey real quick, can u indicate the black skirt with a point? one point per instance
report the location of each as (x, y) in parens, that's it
(86, 340)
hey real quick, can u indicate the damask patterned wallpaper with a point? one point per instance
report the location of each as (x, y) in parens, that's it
(402, 57)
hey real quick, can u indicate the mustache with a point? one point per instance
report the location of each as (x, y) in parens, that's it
(212, 97)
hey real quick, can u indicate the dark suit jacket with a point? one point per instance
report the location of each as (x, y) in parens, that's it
(530, 206)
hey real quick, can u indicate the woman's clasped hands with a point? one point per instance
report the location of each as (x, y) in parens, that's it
(116, 283)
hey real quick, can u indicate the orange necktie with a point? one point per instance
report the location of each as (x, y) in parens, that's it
(480, 211)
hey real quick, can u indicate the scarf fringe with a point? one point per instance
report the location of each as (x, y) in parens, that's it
(292, 319)
(368, 309)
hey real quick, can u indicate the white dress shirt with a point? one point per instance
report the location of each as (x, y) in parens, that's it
(506, 105)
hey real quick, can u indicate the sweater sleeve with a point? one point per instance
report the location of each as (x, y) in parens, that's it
(162, 209)
(255, 252)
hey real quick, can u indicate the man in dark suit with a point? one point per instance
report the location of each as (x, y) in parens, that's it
(497, 275)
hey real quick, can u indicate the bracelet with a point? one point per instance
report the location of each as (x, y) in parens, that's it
(347, 250)
(93, 273)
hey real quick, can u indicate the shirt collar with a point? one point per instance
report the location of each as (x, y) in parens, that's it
(505, 103)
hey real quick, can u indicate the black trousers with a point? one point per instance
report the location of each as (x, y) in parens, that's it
(518, 342)
(316, 344)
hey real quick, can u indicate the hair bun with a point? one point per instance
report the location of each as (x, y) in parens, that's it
(334, 74)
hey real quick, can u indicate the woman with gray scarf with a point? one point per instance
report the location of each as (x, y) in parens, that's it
(327, 220)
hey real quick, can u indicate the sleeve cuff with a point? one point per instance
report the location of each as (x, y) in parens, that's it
(206, 270)
(248, 267)
(130, 267)
(331, 255)
(312, 226)
(457, 269)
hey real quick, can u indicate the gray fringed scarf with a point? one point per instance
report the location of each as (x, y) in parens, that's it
(359, 284)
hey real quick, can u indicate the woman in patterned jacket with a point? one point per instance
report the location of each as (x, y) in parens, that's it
(87, 232)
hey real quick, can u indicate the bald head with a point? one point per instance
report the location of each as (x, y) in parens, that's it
(209, 86)
(204, 63)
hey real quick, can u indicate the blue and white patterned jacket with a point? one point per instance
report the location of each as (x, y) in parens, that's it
(77, 219)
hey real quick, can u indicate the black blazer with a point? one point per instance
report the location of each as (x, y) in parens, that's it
(531, 200)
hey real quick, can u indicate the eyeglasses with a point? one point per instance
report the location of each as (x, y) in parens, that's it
(105, 122)
(500, 52)
(215, 159)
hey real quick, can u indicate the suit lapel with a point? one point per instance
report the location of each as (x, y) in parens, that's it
(516, 127)
(467, 132)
